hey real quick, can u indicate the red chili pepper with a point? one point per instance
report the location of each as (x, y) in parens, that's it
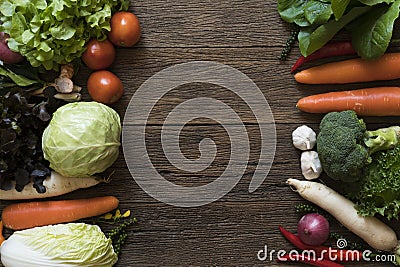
(332, 49)
(296, 241)
(325, 252)
(308, 260)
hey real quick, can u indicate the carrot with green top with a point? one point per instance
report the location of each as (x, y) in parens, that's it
(355, 70)
(378, 101)
(26, 215)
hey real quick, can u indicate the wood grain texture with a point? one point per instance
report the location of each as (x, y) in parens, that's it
(207, 23)
(248, 36)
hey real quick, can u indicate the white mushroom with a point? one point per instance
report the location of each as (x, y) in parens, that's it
(64, 85)
(310, 165)
(304, 138)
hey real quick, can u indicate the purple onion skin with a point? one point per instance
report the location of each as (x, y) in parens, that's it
(6, 55)
(313, 229)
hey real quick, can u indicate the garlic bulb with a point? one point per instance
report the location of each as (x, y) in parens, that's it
(304, 138)
(310, 165)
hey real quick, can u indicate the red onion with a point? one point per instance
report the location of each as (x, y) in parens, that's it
(6, 55)
(313, 229)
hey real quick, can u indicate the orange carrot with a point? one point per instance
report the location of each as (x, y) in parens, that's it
(386, 67)
(378, 101)
(20, 216)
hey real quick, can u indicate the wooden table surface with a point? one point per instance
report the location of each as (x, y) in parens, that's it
(245, 35)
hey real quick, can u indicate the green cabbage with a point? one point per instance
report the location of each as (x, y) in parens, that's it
(82, 139)
(66, 245)
(53, 32)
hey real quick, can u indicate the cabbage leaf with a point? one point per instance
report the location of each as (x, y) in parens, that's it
(82, 139)
(66, 245)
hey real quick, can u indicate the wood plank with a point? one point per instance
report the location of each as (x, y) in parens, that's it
(213, 24)
(209, 23)
(228, 234)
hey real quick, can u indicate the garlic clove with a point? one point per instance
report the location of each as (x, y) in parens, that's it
(304, 138)
(311, 167)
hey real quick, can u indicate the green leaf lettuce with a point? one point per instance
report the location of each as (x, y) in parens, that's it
(379, 191)
(53, 32)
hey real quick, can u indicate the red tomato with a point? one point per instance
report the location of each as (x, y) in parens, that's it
(125, 29)
(105, 87)
(99, 54)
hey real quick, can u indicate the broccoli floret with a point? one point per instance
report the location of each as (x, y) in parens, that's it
(345, 146)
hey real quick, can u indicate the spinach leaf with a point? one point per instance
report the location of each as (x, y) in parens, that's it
(372, 32)
(339, 7)
(291, 10)
(18, 79)
(375, 2)
(317, 12)
(24, 69)
(305, 12)
(311, 38)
